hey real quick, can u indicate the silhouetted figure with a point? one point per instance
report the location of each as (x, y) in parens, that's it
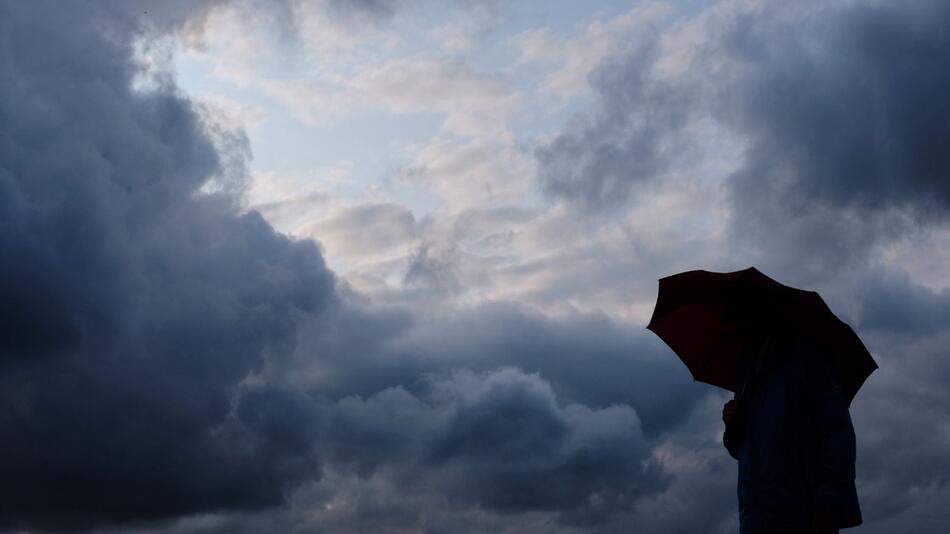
(791, 432)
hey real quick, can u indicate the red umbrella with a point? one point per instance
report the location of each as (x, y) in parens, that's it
(705, 316)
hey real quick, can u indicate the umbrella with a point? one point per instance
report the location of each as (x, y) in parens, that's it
(704, 317)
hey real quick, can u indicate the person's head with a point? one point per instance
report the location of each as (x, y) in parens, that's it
(751, 322)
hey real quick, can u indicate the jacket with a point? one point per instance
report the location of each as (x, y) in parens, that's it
(794, 441)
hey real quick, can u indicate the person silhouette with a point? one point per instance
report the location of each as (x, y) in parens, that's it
(790, 430)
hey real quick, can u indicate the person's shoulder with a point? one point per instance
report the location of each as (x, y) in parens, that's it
(797, 350)
(800, 344)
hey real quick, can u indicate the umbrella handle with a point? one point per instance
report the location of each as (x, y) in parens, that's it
(755, 370)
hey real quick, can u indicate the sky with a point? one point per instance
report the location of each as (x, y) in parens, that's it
(385, 265)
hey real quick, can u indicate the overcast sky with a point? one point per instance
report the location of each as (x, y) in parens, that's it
(385, 265)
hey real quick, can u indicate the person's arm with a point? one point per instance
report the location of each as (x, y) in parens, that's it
(732, 437)
(733, 413)
(834, 474)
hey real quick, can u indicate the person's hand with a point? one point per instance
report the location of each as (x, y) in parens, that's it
(729, 411)
(823, 523)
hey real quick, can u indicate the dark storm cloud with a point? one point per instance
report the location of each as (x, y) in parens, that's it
(844, 111)
(841, 105)
(902, 422)
(893, 303)
(849, 109)
(501, 440)
(845, 128)
(588, 359)
(574, 460)
(630, 140)
(496, 407)
(164, 355)
(133, 305)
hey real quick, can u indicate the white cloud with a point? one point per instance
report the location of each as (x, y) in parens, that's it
(481, 173)
(363, 232)
(232, 113)
(924, 254)
(454, 39)
(576, 57)
(473, 103)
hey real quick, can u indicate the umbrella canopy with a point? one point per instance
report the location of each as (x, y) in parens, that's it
(707, 318)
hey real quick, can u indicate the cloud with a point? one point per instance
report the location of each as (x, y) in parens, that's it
(924, 254)
(134, 304)
(842, 114)
(496, 409)
(379, 9)
(634, 137)
(563, 458)
(364, 230)
(839, 182)
(846, 110)
(171, 363)
(454, 39)
(167, 356)
(837, 108)
(501, 441)
(325, 59)
(472, 174)
(588, 358)
(427, 270)
(576, 57)
(473, 103)
(893, 302)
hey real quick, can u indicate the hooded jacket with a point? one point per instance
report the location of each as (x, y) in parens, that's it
(794, 441)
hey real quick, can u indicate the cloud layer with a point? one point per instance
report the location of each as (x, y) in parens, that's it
(837, 108)
(165, 355)
(134, 304)
(171, 363)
